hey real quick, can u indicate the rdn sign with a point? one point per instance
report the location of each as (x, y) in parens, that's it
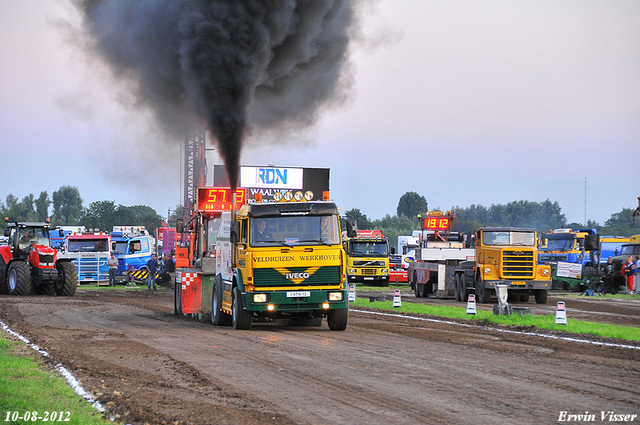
(271, 177)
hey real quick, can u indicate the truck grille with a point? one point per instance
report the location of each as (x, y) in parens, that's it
(328, 275)
(369, 263)
(369, 272)
(518, 264)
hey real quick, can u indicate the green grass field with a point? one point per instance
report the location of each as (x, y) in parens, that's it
(36, 394)
(547, 321)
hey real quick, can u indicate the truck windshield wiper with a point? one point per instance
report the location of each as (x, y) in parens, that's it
(316, 240)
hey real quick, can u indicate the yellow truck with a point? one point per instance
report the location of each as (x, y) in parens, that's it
(367, 257)
(495, 255)
(508, 256)
(281, 259)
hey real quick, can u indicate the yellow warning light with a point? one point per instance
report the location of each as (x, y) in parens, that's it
(325, 196)
(258, 197)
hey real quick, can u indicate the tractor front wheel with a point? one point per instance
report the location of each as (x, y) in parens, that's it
(3, 278)
(19, 282)
(67, 282)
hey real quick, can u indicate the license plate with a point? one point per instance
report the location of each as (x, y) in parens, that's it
(368, 278)
(518, 283)
(299, 294)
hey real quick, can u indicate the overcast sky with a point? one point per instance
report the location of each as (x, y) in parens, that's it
(463, 102)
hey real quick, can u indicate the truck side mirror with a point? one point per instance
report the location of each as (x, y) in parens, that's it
(7, 232)
(352, 228)
(61, 233)
(180, 226)
(235, 232)
(393, 250)
(592, 242)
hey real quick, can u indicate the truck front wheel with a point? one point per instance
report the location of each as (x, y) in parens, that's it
(19, 282)
(218, 317)
(241, 318)
(541, 296)
(483, 295)
(67, 282)
(337, 319)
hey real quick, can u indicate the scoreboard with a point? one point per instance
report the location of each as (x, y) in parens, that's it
(218, 199)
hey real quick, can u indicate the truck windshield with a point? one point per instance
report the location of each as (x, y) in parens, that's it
(630, 249)
(88, 245)
(295, 230)
(368, 249)
(560, 244)
(119, 247)
(509, 238)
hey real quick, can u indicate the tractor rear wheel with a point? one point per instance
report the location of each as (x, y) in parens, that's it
(19, 281)
(67, 282)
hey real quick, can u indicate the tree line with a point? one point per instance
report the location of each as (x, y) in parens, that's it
(65, 208)
(542, 216)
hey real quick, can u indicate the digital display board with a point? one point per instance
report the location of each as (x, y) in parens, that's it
(218, 199)
(436, 223)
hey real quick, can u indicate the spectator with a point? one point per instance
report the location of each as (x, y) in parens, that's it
(636, 283)
(152, 266)
(608, 276)
(113, 269)
(167, 269)
(628, 271)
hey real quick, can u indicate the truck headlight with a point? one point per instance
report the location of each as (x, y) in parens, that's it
(259, 298)
(545, 272)
(352, 271)
(335, 296)
(385, 271)
(487, 270)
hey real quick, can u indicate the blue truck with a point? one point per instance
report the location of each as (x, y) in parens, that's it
(133, 247)
(574, 257)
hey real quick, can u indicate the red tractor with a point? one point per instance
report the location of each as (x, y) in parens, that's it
(28, 264)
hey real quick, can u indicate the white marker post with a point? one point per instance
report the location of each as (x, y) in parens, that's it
(561, 314)
(471, 304)
(352, 292)
(396, 299)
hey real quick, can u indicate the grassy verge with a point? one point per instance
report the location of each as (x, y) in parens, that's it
(27, 387)
(547, 321)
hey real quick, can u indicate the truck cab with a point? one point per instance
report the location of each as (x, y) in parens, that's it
(89, 252)
(367, 258)
(508, 256)
(133, 250)
(573, 255)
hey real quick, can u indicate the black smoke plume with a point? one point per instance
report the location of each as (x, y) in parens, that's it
(240, 66)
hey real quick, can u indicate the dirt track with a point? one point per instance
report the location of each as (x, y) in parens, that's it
(149, 366)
